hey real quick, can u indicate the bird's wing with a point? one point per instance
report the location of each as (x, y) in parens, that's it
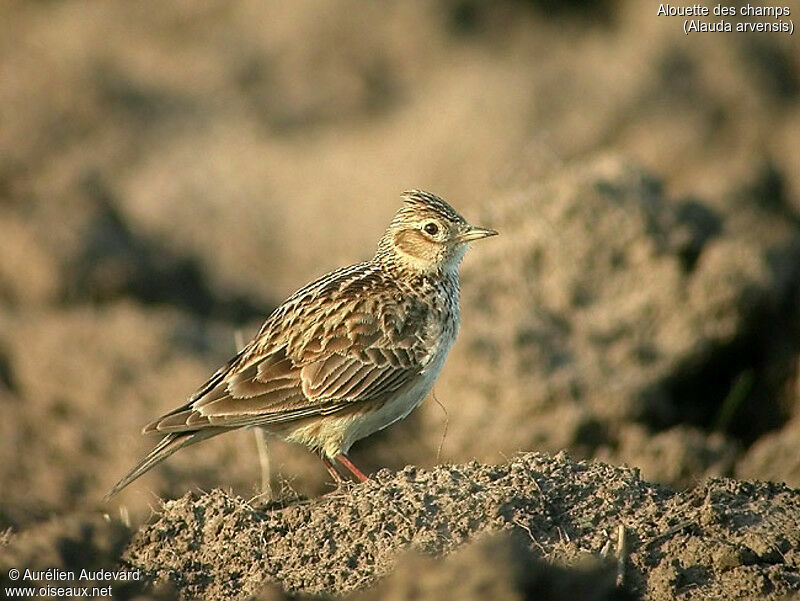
(341, 341)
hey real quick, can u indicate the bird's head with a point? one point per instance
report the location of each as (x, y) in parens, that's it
(427, 235)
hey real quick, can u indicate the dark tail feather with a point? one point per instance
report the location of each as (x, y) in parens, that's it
(168, 445)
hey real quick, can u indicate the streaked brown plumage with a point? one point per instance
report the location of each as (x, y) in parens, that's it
(345, 356)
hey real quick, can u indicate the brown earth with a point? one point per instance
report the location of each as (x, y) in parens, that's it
(170, 171)
(536, 526)
(725, 538)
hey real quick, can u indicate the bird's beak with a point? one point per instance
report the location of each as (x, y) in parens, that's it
(476, 233)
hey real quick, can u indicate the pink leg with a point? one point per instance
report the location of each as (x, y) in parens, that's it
(331, 470)
(345, 461)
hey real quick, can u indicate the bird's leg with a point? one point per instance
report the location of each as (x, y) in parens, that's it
(345, 461)
(332, 470)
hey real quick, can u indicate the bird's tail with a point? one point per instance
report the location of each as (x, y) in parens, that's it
(169, 444)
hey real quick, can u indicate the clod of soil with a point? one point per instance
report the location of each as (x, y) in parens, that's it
(726, 538)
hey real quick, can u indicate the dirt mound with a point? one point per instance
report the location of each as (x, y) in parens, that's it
(726, 538)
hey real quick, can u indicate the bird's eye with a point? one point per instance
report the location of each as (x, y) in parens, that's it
(431, 228)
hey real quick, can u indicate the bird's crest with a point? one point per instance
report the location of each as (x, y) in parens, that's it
(419, 200)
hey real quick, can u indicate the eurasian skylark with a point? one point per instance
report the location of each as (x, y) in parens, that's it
(345, 356)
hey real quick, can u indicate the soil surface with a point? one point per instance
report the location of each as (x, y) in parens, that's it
(727, 538)
(170, 172)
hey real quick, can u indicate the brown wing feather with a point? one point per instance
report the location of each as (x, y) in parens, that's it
(307, 362)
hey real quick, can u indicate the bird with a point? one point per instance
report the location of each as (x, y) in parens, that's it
(345, 356)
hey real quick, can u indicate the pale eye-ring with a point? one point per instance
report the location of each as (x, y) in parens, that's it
(431, 228)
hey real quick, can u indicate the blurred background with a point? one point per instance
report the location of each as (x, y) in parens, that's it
(169, 172)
